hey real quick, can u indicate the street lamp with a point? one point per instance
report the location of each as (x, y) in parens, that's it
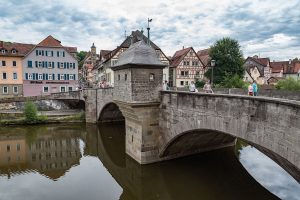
(212, 64)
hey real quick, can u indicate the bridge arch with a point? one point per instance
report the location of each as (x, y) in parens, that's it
(110, 112)
(188, 120)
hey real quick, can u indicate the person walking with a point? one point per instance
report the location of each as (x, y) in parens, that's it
(192, 87)
(254, 86)
(250, 90)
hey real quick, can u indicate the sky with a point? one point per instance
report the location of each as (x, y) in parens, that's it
(268, 28)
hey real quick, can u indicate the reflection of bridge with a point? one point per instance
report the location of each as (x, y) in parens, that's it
(167, 125)
(157, 181)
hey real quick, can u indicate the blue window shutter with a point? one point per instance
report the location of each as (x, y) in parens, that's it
(43, 64)
(36, 63)
(65, 76)
(57, 64)
(58, 76)
(46, 53)
(52, 64)
(53, 76)
(73, 65)
(33, 76)
(44, 76)
(63, 54)
(57, 53)
(43, 53)
(46, 63)
(74, 76)
(36, 76)
(52, 53)
(65, 65)
(68, 65)
(36, 52)
(26, 76)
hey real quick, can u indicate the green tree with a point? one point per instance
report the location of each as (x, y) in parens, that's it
(30, 112)
(229, 60)
(80, 57)
(233, 82)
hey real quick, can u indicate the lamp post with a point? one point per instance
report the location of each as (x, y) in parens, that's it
(212, 64)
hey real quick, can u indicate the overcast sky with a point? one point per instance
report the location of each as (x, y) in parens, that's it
(269, 28)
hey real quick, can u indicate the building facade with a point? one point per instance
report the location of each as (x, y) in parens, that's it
(109, 59)
(185, 67)
(258, 69)
(89, 63)
(11, 55)
(49, 67)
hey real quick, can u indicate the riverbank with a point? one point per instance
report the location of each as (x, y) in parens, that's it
(10, 118)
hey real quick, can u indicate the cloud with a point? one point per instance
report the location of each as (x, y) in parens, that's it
(267, 28)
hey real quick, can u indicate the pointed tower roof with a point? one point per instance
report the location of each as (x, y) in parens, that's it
(50, 42)
(139, 54)
(93, 46)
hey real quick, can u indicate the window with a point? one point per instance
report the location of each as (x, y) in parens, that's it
(49, 53)
(151, 77)
(181, 82)
(8, 148)
(71, 77)
(57, 53)
(195, 63)
(191, 54)
(15, 89)
(40, 77)
(40, 52)
(14, 63)
(3, 63)
(182, 73)
(50, 65)
(29, 63)
(15, 76)
(30, 77)
(3, 51)
(50, 77)
(119, 77)
(13, 51)
(4, 75)
(62, 89)
(186, 83)
(70, 89)
(61, 65)
(62, 77)
(197, 73)
(5, 89)
(40, 64)
(45, 89)
(125, 77)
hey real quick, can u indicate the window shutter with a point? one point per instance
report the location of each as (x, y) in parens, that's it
(65, 65)
(52, 53)
(58, 76)
(74, 76)
(36, 76)
(36, 63)
(68, 77)
(44, 76)
(73, 65)
(68, 65)
(43, 64)
(63, 54)
(57, 64)
(43, 53)
(36, 52)
(46, 53)
(46, 63)
(26, 76)
(52, 64)
(57, 53)
(65, 76)
(53, 76)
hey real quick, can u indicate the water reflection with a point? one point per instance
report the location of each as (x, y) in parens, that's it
(89, 162)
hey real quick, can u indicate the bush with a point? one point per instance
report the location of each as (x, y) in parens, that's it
(288, 84)
(199, 83)
(234, 81)
(42, 119)
(30, 112)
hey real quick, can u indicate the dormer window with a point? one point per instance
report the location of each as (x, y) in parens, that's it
(13, 51)
(3, 51)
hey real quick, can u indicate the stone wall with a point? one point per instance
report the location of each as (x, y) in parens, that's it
(122, 87)
(265, 122)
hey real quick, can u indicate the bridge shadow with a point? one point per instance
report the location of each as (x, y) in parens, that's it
(210, 175)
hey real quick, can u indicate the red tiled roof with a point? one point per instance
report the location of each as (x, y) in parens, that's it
(286, 66)
(71, 49)
(204, 56)
(277, 67)
(178, 56)
(50, 42)
(21, 49)
(262, 61)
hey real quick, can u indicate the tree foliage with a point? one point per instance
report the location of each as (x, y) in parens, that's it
(80, 57)
(233, 82)
(30, 112)
(229, 60)
(288, 84)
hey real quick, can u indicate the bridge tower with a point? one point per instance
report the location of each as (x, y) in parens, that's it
(138, 79)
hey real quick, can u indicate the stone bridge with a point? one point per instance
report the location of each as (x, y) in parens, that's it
(169, 124)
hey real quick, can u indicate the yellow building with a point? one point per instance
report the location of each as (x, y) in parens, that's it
(11, 55)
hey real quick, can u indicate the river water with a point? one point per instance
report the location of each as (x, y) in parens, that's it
(89, 162)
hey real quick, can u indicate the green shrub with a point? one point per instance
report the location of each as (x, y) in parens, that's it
(199, 83)
(30, 112)
(288, 84)
(234, 81)
(42, 118)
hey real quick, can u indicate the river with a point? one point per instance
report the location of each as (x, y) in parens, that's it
(79, 161)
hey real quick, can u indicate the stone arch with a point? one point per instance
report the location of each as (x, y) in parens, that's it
(110, 113)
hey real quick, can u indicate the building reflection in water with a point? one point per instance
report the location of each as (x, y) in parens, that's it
(50, 150)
